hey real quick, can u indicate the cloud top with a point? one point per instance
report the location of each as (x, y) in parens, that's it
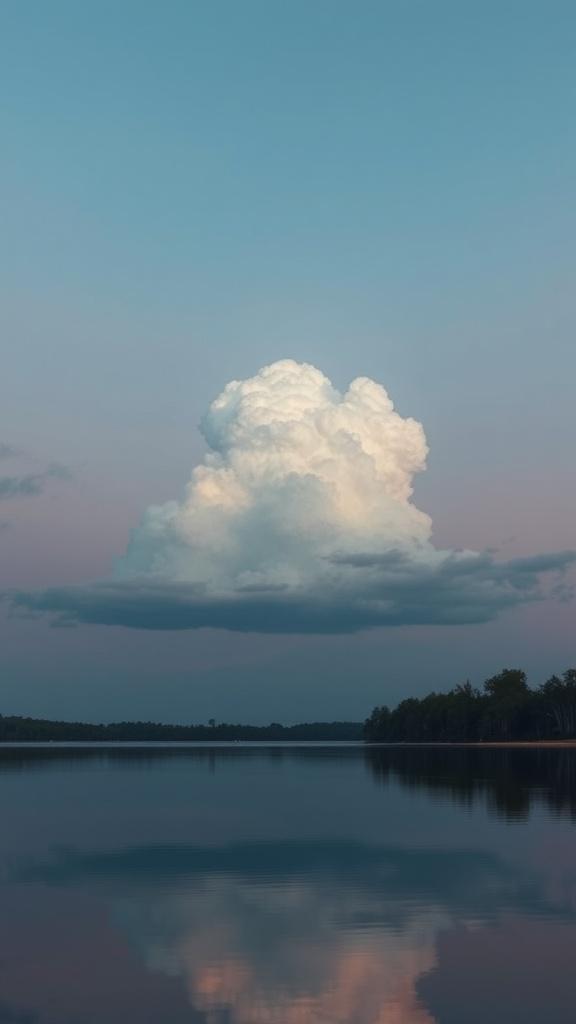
(295, 474)
(299, 519)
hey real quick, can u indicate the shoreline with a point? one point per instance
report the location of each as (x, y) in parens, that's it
(252, 744)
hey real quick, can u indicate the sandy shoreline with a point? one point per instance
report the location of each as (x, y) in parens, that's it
(552, 744)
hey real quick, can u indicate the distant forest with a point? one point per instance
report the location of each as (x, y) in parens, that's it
(35, 730)
(504, 709)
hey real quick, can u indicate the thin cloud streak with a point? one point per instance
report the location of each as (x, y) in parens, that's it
(8, 451)
(30, 485)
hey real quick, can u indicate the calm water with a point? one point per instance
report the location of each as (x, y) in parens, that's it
(315, 885)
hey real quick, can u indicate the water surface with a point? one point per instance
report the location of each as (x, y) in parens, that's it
(300, 885)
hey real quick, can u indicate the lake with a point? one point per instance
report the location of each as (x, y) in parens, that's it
(287, 885)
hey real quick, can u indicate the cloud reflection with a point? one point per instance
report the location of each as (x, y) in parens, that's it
(300, 933)
(296, 954)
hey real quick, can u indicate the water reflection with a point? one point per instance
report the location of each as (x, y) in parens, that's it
(253, 953)
(509, 779)
(300, 933)
(287, 886)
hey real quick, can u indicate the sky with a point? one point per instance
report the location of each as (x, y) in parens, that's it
(190, 193)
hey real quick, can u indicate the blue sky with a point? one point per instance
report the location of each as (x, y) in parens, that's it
(191, 191)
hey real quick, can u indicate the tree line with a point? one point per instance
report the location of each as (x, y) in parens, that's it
(14, 729)
(505, 709)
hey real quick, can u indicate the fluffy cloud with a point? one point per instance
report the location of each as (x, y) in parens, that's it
(299, 519)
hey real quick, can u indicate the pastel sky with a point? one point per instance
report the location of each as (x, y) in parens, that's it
(191, 192)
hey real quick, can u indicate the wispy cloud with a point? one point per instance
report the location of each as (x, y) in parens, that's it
(30, 485)
(7, 451)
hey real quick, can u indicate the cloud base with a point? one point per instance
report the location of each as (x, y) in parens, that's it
(299, 520)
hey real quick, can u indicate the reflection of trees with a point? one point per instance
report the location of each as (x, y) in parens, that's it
(508, 780)
(304, 932)
(26, 758)
(312, 931)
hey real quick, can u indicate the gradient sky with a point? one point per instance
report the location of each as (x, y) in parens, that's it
(191, 191)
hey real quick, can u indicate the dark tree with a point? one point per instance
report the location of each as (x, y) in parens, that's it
(506, 709)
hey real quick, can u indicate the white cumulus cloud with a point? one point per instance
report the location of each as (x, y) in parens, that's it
(299, 519)
(296, 474)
